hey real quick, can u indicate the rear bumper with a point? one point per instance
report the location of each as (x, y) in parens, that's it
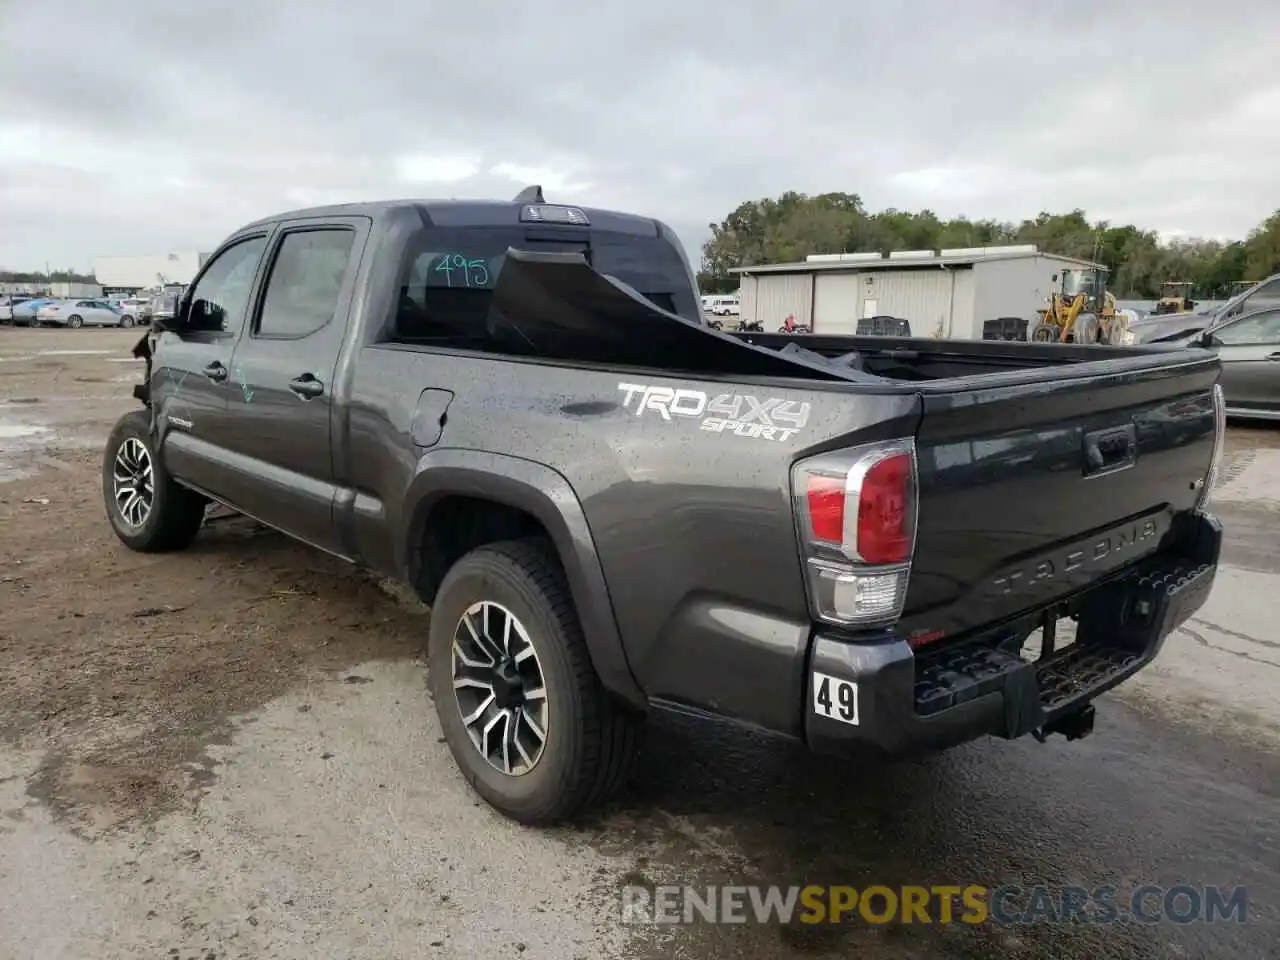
(911, 702)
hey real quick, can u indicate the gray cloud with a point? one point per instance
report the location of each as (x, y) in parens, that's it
(164, 126)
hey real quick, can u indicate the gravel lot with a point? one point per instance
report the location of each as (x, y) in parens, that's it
(230, 752)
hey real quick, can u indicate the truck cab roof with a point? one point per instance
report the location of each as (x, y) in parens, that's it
(483, 213)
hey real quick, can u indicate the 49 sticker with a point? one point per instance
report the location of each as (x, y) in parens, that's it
(738, 414)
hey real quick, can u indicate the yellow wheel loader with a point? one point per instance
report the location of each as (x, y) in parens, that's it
(1082, 310)
(1175, 297)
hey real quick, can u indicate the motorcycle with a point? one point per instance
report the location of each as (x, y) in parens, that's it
(751, 326)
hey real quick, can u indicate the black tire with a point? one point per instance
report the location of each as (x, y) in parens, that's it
(175, 513)
(590, 737)
(126, 321)
(75, 321)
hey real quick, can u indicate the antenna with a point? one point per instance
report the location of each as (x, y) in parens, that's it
(531, 194)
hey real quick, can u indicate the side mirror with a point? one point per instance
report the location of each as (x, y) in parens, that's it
(1209, 341)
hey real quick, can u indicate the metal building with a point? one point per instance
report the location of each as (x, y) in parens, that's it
(146, 272)
(943, 293)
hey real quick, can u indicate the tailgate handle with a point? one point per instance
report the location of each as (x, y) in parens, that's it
(1108, 450)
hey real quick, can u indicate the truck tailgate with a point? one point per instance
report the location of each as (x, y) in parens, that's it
(1032, 488)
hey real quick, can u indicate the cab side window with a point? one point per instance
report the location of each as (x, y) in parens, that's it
(221, 295)
(1259, 328)
(305, 283)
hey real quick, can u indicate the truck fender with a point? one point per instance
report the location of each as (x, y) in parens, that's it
(547, 496)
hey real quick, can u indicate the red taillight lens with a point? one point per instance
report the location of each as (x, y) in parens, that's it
(884, 530)
(826, 508)
(856, 514)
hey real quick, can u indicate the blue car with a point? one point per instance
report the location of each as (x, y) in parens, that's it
(24, 314)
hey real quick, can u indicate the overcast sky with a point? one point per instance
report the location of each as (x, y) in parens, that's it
(147, 126)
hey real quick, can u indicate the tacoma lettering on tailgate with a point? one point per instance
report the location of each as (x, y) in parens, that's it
(1095, 555)
(738, 414)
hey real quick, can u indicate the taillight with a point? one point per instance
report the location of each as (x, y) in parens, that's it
(1219, 439)
(856, 514)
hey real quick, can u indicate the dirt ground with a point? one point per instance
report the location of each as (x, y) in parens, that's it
(267, 699)
(125, 667)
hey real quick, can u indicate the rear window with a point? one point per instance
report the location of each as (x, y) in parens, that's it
(449, 276)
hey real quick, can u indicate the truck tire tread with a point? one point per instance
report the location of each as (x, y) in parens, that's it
(605, 731)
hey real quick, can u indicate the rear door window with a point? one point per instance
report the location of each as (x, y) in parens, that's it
(305, 282)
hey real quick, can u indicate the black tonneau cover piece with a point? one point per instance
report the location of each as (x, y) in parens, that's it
(556, 304)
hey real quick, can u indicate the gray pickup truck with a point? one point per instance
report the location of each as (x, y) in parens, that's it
(613, 509)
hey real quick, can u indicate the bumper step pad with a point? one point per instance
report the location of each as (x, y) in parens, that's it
(1142, 610)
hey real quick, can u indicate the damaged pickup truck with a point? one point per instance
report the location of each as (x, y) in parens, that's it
(613, 509)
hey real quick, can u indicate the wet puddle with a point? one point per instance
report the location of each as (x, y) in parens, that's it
(19, 437)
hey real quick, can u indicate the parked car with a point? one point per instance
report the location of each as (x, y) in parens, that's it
(83, 313)
(613, 509)
(137, 307)
(163, 306)
(24, 314)
(721, 306)
(1249, 349)
(1262, 295)
(7, 304)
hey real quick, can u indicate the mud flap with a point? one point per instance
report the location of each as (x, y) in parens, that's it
(1022, 713)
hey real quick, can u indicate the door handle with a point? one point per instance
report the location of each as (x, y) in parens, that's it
(306, 386)
(216, 372)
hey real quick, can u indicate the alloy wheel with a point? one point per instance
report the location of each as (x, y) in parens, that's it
(133, 482)
(499, 687)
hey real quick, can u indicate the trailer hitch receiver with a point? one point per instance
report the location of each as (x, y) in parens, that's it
(1074, 726)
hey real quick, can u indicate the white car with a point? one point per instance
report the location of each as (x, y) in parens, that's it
(84, 313)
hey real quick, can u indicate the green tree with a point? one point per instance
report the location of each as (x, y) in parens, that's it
(794, 225)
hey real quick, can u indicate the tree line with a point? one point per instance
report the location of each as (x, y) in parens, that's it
(54, 276)
(794, 225)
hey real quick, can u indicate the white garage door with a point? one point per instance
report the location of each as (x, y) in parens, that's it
(922, 297)
(779, 296)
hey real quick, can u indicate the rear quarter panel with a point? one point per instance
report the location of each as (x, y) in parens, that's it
(693, 524)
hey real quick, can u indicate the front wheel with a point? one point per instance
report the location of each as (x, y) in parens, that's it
(126, 321)
(1045, 333)
(149, 511)
(75, 321)
(524, 714)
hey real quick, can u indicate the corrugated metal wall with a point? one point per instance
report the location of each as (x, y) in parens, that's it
(1014, 288)
(747, 297)
(778, 296)
(923, 297)
(962, 306)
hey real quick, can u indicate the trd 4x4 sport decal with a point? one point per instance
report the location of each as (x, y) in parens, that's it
(739, 414)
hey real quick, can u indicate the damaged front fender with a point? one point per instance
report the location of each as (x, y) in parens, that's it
(142, 350)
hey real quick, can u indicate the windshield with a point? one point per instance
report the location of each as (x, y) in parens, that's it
(1076, 282)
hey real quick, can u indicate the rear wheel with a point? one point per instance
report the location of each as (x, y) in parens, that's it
(522, 710)
(148, 510)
